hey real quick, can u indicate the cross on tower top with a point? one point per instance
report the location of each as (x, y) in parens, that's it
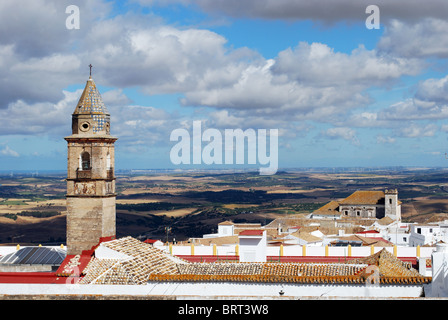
(90, 66)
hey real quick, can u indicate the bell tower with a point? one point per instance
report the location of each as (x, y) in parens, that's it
(90, 173)
(392, 206)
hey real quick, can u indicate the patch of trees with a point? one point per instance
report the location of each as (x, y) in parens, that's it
(35, 214)
(39, 214)
(153, 206)
(240, 196)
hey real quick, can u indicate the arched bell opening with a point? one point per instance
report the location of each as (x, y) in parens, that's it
(85, 161)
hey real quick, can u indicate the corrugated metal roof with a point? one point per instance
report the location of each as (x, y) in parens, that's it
(35, 255)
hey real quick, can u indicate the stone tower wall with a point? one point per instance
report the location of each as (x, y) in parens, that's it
(391, 206)
(90, 174)
(88, 220)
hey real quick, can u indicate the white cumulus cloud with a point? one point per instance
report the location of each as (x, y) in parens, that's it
(7, 151)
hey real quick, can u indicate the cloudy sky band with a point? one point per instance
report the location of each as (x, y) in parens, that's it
(360, 93)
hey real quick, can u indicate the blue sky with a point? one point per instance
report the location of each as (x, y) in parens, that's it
(340, 94)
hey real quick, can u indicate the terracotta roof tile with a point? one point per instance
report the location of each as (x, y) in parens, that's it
(306, 236)
(385, 221)
(217, 240)
(144, 260)
(251, 233)
(364, 197)
(150, 264)
(330, 208)
(226, 223)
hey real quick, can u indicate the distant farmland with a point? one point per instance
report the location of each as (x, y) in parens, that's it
(32, 209)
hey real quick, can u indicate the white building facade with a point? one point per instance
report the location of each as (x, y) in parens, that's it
(252, 246)
(428, 234)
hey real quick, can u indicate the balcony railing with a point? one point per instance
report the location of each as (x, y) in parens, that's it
(87, 174)
(83, 174)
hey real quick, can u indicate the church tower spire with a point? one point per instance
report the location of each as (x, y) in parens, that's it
(90, 173)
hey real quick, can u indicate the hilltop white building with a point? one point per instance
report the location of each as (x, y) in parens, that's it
(363, 204)
(428, 234)
(394, 231)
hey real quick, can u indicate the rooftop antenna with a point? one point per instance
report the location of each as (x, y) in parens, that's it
(168, 230)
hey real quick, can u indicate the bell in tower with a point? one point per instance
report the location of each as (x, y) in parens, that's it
(90, 174)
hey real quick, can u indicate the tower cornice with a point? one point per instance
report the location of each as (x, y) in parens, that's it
(112, 195)
(98, 138)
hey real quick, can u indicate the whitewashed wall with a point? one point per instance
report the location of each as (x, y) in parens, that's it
(186, 290)
(297, 250)
(361, 251)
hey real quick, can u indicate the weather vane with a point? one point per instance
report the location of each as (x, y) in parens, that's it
(90, 66)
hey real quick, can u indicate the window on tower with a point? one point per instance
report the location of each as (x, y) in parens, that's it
(85, 161)
(108, 166)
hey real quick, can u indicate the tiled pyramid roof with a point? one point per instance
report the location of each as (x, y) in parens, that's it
(389, 265)
(90, 101)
